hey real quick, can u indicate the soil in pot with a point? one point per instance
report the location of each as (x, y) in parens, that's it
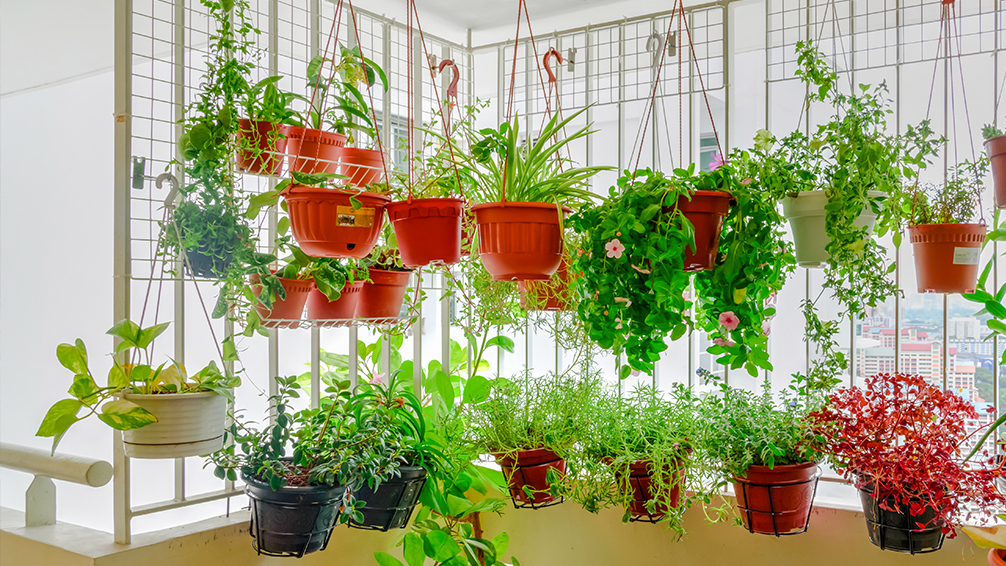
(947, 256)
(640, 482)
(428, 230)
(519, 240)
(292, 521)
(383, 295)
(899, 530)
(530, 468)
(996, 150)
(261, 145)
(285, 313)
(362, 166)
(314, 151)
(777, 501)
(325, 224)
(342, 309)
(391, 505)
(553, 295)
(188, 424)
(706, 211)
(806, 216)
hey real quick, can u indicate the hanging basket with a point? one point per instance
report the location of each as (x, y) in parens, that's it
(899, 530)
(706, 211)
(340, 311)
(640, 482)
(206, 266)
(777, 501)
(292, 521)
(285, 313)
(391, 505)
(428, 230)
(996, 150)
(188, 424)
(947, 256)
(997, 556)
(325, 223)
(362, 167)
(519, 240)
(314, 151)
(382, 296)
(530, 468)
(553, 295)
(806, 215)
(261, 145)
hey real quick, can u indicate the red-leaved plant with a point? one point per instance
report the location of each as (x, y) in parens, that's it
(902, 439)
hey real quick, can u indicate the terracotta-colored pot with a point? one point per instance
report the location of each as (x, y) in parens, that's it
(362, 166)
(530, 468)
(261, 147)
(325, 224)
(428, 230)
(947, 256)
(519, 240)
(640, 481)
(706, 211)
(342, 309)
(314, 151)
(382, 296)
(285, 312)
(996, 150)
(553, 295)
(997, 556)
(776, 501)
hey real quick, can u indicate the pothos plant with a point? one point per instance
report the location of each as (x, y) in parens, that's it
(136, 375)
(634, 290)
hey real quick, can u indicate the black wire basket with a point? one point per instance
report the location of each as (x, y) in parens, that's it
(777, 501)
(899, 530)
(292, 521)
(530, 468)
(391, 505)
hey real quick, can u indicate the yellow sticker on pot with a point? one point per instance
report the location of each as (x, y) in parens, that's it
(355, 218)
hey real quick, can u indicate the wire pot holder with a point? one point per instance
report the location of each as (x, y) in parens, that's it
(776, 507)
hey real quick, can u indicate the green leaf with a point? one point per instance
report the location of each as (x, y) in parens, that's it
(147, 335)
(58, 419)
(503, 342)
(445, 388)
(355, 203)
(385, 559)
(501, 542)
(458, 506)
(117, 377)
(85, 389)
(624, 371)
(121, 414)
(230, 352)
(440, 546)
(72, 358)
(283, 226)
(413, 550)
(127, 330)
(476, 390)
(995, 309)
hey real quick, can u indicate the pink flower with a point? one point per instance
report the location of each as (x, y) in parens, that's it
(766, 327)
(729, 320)
(619, 325)
(770, 301)
(641, 270)
(615, 248)
(722, 342)
(627, 302)
(717, 162)
(747, 181)
(377, 379)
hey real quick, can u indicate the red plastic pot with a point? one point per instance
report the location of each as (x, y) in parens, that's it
(530, 468)
(285, 312)
(947, 256)
(553, 295)
(362, 166)
(996, 150)
(428, 230)
(325, 224)
(382, 296)
(314, 151)
(640, 481)
(262, 145)
(706, 211)
(776, 501)
(343, 308)
(519, 240)
(997, 556)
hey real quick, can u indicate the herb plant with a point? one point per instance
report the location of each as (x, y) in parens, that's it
(990, 131)
(957, 202)
(350, 112)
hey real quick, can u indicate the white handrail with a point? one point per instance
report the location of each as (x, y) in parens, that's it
(76, 469)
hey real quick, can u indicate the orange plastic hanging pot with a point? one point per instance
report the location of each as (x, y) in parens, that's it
(314, 151)
(287, 311)
(947, 256)
(325, 224)
(519, 240)
(343, 308)
(383, 295)
(706, 211)
(428, 230)
(261, 145)
(361, 167)
(996, 150)
(552, 295)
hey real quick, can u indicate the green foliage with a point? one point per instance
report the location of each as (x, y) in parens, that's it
(138, 376)
(349, 111)
(957, 202)
(990, 131)
(209, 235)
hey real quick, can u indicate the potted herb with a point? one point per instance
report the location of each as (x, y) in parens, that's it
(343, 283)
(767, 450)
(901, 439)
(205, 238)
(522, 189)
(261, 136)
(530, 425)
(995, 149)
(946, 240)
(162, 411)
(384, 290)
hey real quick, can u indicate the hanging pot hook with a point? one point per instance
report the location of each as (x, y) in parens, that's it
(558, 56)
(452, 90)
(653, 45)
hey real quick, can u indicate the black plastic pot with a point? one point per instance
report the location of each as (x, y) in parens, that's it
(292, 521)
(390, 506)
(206, 266)
(899, 530)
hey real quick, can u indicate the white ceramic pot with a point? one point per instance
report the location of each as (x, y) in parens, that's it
(806, 216)
(188, 424)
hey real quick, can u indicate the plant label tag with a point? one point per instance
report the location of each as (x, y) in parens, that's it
(967, 256)
(355, 218)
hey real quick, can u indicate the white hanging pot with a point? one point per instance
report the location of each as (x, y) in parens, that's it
(806, 215)
(188, 424)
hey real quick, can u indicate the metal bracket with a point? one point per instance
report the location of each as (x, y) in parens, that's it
(139, 168)
(570, 58)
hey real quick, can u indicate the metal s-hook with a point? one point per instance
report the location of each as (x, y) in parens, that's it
(653, 45)
(544, 60)
(452, 90)
(169, 202)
